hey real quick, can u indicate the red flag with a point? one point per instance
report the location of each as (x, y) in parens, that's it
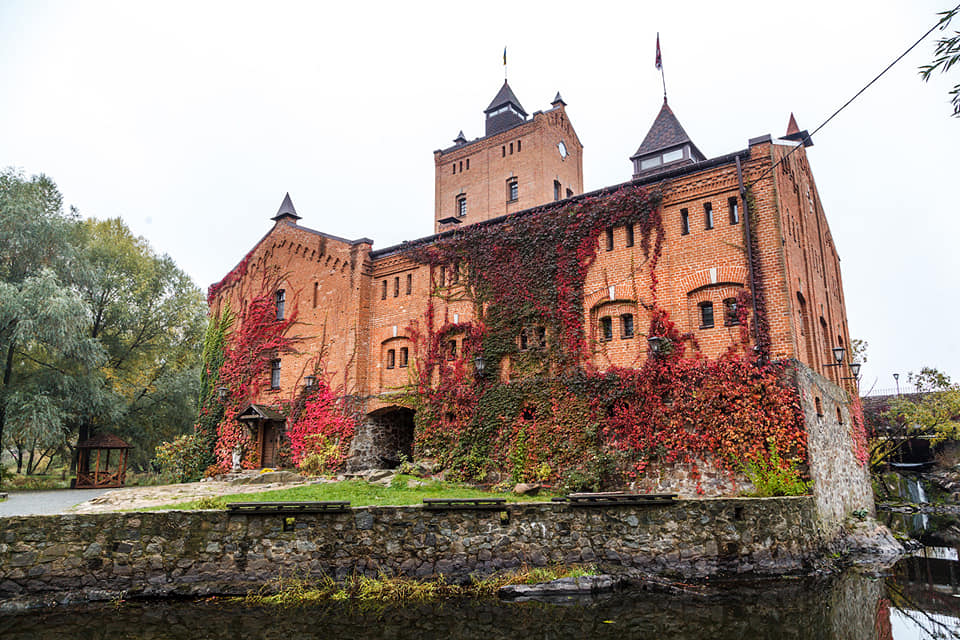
(659, 62)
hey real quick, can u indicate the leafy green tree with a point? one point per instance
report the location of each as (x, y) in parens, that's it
(96, 331)
(933, 411)
(946, 54)
(150, 319)
(47, 356)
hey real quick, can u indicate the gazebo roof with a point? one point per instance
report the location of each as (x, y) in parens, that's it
(103, 441)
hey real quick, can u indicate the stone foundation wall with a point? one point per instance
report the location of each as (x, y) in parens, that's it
(100, 556)
(841, 484)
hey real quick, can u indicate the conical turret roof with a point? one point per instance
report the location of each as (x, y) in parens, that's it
(286, 210)
(666, 132)
(505, 96)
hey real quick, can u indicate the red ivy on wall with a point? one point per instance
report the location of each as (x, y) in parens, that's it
(322, 421)
(557, 419)
(257, 338)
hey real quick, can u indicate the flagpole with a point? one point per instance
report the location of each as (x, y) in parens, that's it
(659, 64)
(504, 64)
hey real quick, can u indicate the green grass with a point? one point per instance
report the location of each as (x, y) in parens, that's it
(358, 492)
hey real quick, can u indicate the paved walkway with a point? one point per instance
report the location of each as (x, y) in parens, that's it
(26, 503)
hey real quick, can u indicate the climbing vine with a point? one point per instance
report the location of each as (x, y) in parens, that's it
(256, 338)
(321, 430)
(543, 412)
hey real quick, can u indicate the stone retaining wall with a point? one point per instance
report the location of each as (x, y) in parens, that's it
(99, 556)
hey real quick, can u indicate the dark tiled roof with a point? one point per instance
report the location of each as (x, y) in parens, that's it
(103, 441)
(286, 209)
(262, 411)
(504, 96)
(666, 132)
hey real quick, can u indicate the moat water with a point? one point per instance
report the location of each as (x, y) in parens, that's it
(917, 598)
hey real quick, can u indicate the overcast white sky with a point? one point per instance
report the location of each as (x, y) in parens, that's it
(190, 120)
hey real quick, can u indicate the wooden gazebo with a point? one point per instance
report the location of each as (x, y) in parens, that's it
(95, 453)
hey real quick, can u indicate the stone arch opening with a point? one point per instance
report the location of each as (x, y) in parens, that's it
(387, 438)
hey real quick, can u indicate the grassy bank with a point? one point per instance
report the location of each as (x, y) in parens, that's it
(402, 491)
(360, 589)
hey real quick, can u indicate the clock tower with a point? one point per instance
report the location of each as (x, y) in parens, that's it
(520, 162)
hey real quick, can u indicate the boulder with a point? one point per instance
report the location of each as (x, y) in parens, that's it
(524, 489)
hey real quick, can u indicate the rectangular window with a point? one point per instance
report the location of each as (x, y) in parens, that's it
(503, 152)
(730, 317)
(404, 357)
(275, 374)
(626, 326)
(706, 315)
(462, 206)
(409, 283)
(452, 350)
(316, 292)
(468, 164)
(684, 222)
(454, 168)
(609, 238)
(396, 286)
(708, 215)
(461, 166)
(391, 358)
(511, 147)
(541, 337)
(606, 329)
(518, 146)
(734, 206)
(523, 340)
(556, 190)
(629, 228)
(455, 273)
(569, 193)
(513, 191)
(383, 291)
(281, 297)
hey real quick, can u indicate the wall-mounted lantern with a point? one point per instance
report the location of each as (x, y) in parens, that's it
(660, 346)
(310, 383)
(838, 353)
(222, 393)
(479, 366)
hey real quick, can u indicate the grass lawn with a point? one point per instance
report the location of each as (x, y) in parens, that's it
(359, 493)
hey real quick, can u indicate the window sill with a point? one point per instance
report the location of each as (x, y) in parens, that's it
(514, 200)
(706, 326)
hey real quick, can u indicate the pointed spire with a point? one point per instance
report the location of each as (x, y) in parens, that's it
(666, 144)
(794, 133)
(504, 97)
(665, 132)
(286, 210)
(460, 139)
(792, 127)
(504, 112)
(558, 101)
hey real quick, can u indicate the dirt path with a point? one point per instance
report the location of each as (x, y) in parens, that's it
(142, 497)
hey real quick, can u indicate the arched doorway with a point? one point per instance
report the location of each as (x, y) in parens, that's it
(384, 439)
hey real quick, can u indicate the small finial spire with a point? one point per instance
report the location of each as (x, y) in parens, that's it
(558, 100)
(286, 210)
(792, 126)
(460, 139)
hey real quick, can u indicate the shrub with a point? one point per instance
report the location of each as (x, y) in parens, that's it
(773, 476)
(184, 459)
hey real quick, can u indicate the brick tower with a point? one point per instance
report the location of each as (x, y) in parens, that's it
(520, 162)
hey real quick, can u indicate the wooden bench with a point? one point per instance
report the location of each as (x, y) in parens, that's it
(616, 498)
(442, 504)
(288, 508)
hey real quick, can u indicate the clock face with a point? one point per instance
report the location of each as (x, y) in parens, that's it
(563, 149)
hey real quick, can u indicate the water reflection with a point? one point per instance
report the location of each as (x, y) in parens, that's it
(919, 599)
